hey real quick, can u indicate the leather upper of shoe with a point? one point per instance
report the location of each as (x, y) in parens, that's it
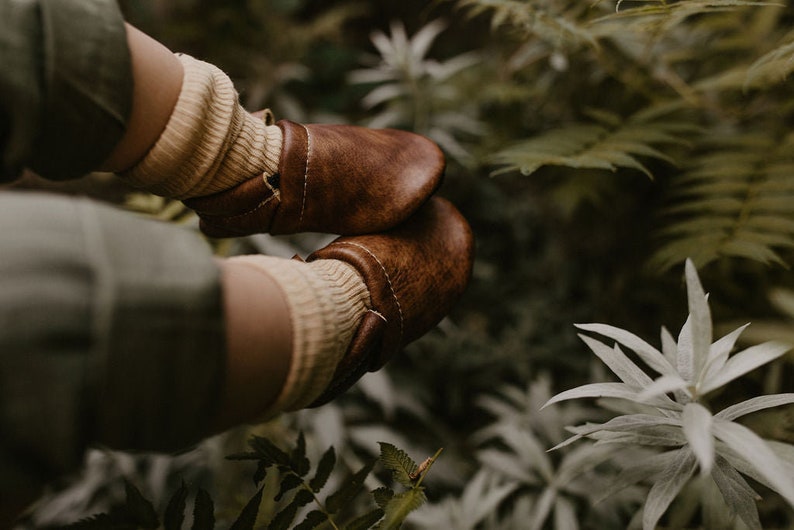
(415, 273)
(339, 179)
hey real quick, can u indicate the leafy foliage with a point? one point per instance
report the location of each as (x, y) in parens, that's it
(690, 369)
(293, 468)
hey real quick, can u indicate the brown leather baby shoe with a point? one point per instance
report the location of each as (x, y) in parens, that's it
(338, 179)
(415, 273)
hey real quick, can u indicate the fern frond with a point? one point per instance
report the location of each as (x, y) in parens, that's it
(543, 21)
(772, 68)
(595, 146)
(737, 201)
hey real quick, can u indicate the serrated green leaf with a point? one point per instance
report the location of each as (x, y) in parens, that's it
(349, 489)
(174, 514)
(298, 461)
(266, 451)
(138, 508)
(261, 472)
(313, 519)
(324, 469)
(203, 511)
(283, 519)
(382, 496)
(289, 482)
(399, 507)
(247, 518)
(398, 462)
(365, 521)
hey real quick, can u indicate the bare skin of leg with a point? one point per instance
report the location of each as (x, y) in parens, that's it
(258, 328)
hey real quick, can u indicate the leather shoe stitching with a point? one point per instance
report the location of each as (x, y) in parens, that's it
(388, 281)
(254, 209)
(305, 173)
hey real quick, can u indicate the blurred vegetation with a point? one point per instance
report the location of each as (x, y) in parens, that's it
(593, 146)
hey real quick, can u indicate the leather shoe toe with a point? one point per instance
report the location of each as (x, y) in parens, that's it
(415, 273)
(339, 179)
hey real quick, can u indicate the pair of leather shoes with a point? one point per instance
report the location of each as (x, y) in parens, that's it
(375, 187)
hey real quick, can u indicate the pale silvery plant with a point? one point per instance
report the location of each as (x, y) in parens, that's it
(689, 369)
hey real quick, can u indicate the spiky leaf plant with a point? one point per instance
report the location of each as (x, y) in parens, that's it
(417, 92)
(692, 436)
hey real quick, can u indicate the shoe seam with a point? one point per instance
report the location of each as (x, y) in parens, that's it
(305, 173)
(388, 281)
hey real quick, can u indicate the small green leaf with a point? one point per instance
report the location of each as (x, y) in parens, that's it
(313, 519)
(349, 489)
(268, 452)
(298, 461)
(284, 518)
(203, 511)
(398, 462)
(400, 506)
(261, 472)
(366, 520)
(175, 511)
(324, 469)
(138, 508)
(247, 518)
(382, 496)
(289, 482)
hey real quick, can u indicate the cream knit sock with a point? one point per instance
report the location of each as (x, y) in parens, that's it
(210, 142)
(326, 300)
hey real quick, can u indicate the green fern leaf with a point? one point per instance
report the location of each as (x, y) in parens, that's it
(324, 468)
(772, 68)
(365, 521)
(737, 200)
(399, 463)
(349, 489)
(400, 506)
(175, 511)
(382, 496)
(139, 509)
(298, 461)
(284, 518)
(203, 511)
(288, 483)
(313, 519)
(247, 518)
(266, 451)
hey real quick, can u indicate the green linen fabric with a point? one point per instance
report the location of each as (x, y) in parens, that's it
(111, 331)
(65, 85)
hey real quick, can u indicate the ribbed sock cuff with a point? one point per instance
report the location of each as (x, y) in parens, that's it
(210, 142)
(326, 300)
